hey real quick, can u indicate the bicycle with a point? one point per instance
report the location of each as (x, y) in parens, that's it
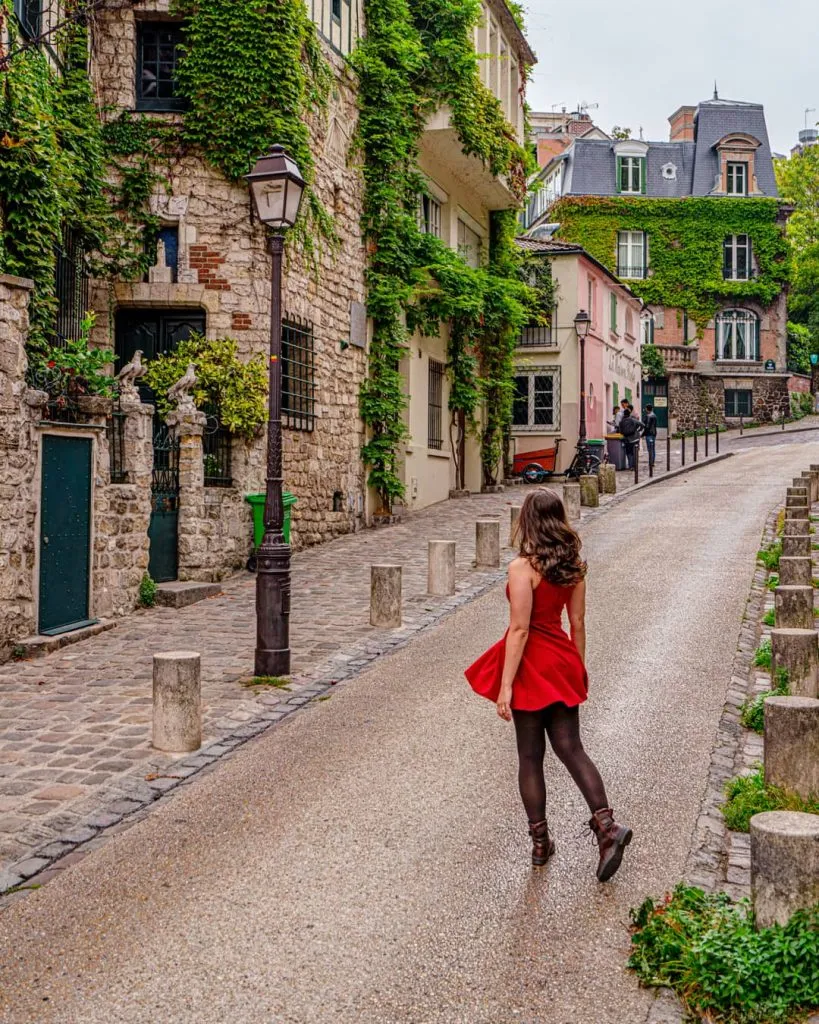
(584, 463)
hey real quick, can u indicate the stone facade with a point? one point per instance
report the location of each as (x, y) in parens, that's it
(692, 395)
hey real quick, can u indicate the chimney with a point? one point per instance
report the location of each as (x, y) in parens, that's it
(682, 124)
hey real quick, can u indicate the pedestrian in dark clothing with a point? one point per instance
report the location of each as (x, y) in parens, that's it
(650, 433)
(630, 428)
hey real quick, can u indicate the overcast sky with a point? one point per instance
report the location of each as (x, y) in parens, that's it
(641, 59)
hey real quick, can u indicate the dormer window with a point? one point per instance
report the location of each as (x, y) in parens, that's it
(737, 178)
(631, 174)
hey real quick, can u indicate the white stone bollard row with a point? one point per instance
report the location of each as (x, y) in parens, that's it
(571, 500)
(796, 527)
(441, 568)
(607, 475)
(800, 511)
(797, 652)
(589, 491)
(177, 711)
(792, 744)
(793, 607)
(385, 596)
(796, 571)
(807, 476)
(796, 498)
(798, 546)
(487, 544)
(514, 515)
(784, 865)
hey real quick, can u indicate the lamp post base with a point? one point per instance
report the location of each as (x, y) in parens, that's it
(272, 657)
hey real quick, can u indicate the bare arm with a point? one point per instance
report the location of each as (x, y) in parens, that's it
(520, 605)
(577, 618)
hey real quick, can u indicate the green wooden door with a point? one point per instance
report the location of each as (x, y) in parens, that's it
(655, 392)
(65, 533)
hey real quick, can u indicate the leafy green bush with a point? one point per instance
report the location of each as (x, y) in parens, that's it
(747, 795)
(770, 555)
(236, 388)
(769, 618)
(763, 653)
(77, 367)
(752, 712)
(707, 949)
(147, 592)
(773, 581)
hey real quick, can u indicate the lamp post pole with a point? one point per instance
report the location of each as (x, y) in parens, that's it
(273, 557)
(582, 432)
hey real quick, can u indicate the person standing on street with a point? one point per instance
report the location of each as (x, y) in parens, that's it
(630, 428)
(620, 414)
(650, 433)
(536, 674)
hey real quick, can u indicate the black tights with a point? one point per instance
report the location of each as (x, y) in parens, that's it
(562, 725)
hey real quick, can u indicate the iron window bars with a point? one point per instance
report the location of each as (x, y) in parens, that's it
(116, 445)
(70, 289)
(298, 374)
(158, 45)
(216, 450)
(435, 406)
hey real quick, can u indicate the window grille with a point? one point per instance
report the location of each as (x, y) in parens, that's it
(158, 45)
(435, 404)
(70, 289)
(536, 401)
(216, 450)
(298, 374)
(116, 445)
(30, 17)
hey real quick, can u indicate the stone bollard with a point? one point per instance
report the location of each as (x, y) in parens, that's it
(441, 568)
(385, 596)
(800, 511)
(784, 865)
(607, 476)
(814, 475)
(807, 476)
(797, 652)
(487, 544)
(796, 498)
(796, 527)
(794, 607)
(177, 723)
(792, 744)
(589, 491)
(798, 546)
(514, 515)
(795, 572)
(571, 500)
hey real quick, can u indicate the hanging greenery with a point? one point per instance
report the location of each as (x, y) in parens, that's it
(685, 244)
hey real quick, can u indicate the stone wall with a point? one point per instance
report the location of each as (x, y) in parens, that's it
(224, 268)
(691, 395)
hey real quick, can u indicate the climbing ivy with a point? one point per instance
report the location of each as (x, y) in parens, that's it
(685, 240)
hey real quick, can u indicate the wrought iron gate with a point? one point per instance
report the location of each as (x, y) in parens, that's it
(163, 532)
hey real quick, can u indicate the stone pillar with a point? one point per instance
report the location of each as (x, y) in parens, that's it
(796, 527)
(607, 477)
(797, 572)
(514, 515)
(794, 607)
(800, 511)
(784, 865)
(814, 474)
(797, 546)
(487, 544)
(385, 596)
(441, 567)
(796, 497)
(188, 427)
(571, 500)
(792, 744)
(177, 725)
(807, 476)
(797, 652)
(589, 491)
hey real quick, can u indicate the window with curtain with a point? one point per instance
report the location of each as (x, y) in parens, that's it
(736, 262)
(631, 254)
(737, 333)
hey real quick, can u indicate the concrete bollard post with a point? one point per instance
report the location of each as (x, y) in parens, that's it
(794, 607)
(807, 476)
(514, 515)
(441, 567)
(796, 498)
(792, 744)
(784, 865)
(177, 717)
(797, 546)
(800, 511)
(814, 475)
(385, 596)
(796, 572)
(796, 527)
(607, 478)
(797, 652)
(589, 491)
(571, 500)
(487, 544)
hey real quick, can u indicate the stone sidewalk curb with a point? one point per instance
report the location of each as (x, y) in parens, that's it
(679, 471)
(135, 793)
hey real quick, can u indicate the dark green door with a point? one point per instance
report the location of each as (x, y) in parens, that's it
(655, 392)
(65, 533)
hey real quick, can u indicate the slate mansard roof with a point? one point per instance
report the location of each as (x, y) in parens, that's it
(591, 167)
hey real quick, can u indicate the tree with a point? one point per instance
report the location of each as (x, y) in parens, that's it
(653, 363)
(798, 180)
(620, 133)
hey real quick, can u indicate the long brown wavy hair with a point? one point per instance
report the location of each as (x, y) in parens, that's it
(545, 538)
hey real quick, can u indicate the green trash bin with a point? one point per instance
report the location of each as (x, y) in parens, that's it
(256, 502)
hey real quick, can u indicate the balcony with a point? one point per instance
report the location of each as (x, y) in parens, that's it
(537, 336)
(626, 273)
(680, 357)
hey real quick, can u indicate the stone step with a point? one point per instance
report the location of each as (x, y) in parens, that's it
(39, 644)
(180, 595)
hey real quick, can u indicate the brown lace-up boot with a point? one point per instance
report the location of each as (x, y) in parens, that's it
(542, 846)
(612, 839)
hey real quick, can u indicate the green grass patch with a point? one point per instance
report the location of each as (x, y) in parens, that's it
(773, 581)
(707, 949)
(763, 653)
(277, 682)
(780, 522)
(769, 618)
(770, 555)
(747, 795)
(752, 712)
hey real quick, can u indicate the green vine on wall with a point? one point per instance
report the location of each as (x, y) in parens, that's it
(685, 246)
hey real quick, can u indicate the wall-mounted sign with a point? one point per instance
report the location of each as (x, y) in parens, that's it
(660, 402)
(814, 359)
(770, 366)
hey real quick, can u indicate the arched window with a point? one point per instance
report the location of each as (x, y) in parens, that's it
(647, 327)
(738, 335)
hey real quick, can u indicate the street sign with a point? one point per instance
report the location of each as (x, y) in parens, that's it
(770, 366)
(814, 359)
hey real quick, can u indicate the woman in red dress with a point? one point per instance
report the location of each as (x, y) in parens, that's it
(536, 674)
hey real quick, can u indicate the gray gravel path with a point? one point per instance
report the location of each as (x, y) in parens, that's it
(366, 861)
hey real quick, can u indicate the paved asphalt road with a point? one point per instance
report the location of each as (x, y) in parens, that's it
(367, 861)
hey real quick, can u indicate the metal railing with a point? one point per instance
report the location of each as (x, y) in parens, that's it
(70, 289)
(217, 448)
(298, 374)
(116, 445)
(435, 406)
(537, 336)
(631, 273)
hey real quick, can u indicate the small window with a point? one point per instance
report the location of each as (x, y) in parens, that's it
(429, 216)
(158, 50)
(298, 375)
(736, 263)
(613, 312)
(30, 17)
(738, 402)
(435, 406)
(631, 254)
(170, 243)
(469, 244)
(337, 10)
(647, 328)
(631, 174)
(536, 403)
(737, 178)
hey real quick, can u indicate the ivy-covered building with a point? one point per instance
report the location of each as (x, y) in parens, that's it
(696, 228)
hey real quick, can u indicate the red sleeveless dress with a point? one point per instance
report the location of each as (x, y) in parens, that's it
(551, 669)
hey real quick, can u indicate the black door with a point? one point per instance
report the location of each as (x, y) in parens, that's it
(65, 533)
(156, 332)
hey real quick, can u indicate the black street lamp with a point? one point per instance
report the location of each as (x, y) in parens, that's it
(582, 325)
(277, 189)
